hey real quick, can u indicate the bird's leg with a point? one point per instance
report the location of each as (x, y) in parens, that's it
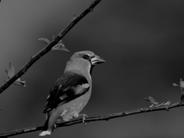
(59, 120)
(83, 116)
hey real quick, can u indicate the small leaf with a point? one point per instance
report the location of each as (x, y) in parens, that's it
(165, 103)
(20, 82)
(181, 86)
(60, 46)
(181, 83)
(10, 71)
(175, 85)
(168, 103)
(46, 40)
(151, 100)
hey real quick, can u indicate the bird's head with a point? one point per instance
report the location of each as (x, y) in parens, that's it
(84, 60)
(88, 56)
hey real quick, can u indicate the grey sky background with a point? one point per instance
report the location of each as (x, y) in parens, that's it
(142, 42)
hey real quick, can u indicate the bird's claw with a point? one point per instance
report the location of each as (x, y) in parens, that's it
(84, 116)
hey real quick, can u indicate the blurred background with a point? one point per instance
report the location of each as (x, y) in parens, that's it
(142, 42)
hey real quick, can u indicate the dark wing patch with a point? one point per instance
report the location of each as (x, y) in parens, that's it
(64, 90)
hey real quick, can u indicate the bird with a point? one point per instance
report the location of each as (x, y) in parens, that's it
(72, 91)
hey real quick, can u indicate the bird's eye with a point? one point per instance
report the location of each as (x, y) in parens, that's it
(86, 57)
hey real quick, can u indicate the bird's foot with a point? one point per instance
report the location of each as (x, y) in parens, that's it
(84, 116)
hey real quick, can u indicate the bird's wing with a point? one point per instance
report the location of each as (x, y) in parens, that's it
(67, 88)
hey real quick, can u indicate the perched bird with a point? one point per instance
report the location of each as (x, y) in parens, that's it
(71, 91)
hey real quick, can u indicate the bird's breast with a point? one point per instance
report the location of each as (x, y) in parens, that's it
(79, 103)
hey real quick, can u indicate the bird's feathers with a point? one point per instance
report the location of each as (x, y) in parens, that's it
(45, 133)
(68, 87)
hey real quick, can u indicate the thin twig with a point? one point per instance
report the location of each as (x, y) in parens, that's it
(94, 119)
(45, 50)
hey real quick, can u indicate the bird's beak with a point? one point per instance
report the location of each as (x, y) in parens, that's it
(97, 60)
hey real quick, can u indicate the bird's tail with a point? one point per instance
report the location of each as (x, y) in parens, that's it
(45, 133)
(46, 130)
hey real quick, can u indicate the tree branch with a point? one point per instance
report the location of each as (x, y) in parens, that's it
(45, 50)
(94, 119)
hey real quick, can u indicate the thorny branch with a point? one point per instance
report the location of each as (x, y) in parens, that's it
(95, 118)
(45, 50)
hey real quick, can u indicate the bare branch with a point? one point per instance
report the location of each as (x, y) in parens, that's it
(94, 119)
(45, 50)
